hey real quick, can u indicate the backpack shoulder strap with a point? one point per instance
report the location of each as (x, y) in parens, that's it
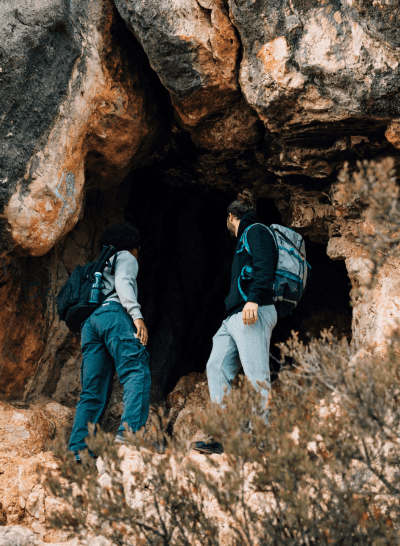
(245, 244)
(114, 264)
(243, 240)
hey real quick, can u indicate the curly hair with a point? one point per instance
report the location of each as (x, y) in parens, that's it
(244, 203)
(122, 236)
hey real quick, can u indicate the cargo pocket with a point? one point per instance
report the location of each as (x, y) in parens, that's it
(129, 349)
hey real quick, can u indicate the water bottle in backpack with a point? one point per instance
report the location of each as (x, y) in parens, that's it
(97, 286)
(83, 291)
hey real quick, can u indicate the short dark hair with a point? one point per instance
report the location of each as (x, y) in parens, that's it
(244, 203)
(122, 236)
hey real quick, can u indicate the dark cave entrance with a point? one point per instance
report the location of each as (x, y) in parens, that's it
(185, 275)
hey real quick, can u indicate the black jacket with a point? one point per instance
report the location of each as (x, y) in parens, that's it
(263, 259)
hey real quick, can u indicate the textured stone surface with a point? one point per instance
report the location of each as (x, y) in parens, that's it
(316, 72)
(306, 62)
(25, 434)
(376, 311)
(193, 47)
(17, 535)
(83, 104)
(27, 431)
(22, 494)
(38, 354)
(189, 398)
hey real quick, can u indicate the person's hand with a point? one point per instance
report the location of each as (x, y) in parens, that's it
(142, 333)
(250, 313)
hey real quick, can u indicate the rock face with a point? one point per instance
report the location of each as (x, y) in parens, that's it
(194, 49)
(83, 104)
(24, 436)
(37, 352)
(376, 313)
(291, 48)
(311, 71)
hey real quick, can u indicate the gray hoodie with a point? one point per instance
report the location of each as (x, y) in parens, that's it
(124, 281)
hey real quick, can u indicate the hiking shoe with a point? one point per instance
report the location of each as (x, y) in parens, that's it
(210, 446)
(158, 446)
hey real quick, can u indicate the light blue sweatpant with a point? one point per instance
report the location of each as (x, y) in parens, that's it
(237, 344)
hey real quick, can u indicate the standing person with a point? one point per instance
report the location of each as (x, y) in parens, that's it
(244, 337)
(115, 334)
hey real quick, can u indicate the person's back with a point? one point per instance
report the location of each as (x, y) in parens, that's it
(123, 282)
(115, 334)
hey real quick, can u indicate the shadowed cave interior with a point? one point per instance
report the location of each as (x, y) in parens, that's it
(184, 276)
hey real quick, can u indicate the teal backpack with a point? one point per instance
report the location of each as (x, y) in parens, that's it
(292, 269)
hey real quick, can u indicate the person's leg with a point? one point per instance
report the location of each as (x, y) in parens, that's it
(222, 368)
(253, 343)
(223, 364)
(96, 377)
(132, 366)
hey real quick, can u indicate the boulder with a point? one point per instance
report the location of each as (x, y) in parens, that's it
(189, 398)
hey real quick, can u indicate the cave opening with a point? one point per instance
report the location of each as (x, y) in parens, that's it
(184, 276)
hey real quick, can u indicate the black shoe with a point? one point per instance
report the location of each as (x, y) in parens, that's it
(159, 447)
(210, 446)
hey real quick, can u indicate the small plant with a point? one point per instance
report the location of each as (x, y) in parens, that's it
(370, 197)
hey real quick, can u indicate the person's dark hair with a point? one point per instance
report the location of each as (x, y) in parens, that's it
(244, 203)
(122, 236)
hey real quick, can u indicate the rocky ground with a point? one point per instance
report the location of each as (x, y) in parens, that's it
(25, 440)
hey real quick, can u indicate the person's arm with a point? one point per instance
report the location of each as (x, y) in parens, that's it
(125, 277)
(263, 253)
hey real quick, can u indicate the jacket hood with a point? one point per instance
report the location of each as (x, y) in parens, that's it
(248, 220)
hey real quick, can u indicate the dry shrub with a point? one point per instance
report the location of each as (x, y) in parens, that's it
(325, 471)
(369, 197)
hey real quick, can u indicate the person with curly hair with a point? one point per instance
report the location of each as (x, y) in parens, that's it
(115, 335)
(245, 335)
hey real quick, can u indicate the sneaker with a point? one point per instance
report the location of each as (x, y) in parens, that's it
(210, 446)
(119, 439)
(158, 446)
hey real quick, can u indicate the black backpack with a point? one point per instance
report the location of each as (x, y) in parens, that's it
(73, 305)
